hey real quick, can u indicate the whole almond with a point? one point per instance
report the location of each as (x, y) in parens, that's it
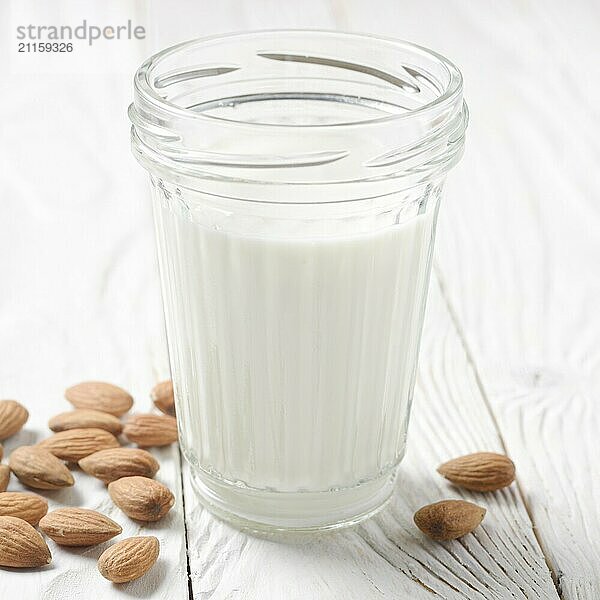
(481, 472)
(129, 559)
(21, 545)
(84, 418)
(29, 507)
(141, 498)
(151, 430)
(13, 416)
(4, 477)
(448, 519)
(97, 395)
(114, 463)
(163, 397)
(37, 468)
(74, 444)
(78, 527)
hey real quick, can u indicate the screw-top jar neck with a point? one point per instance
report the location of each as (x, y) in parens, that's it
(298, 116)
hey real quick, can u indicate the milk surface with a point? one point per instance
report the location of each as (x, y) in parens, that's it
(294, 358)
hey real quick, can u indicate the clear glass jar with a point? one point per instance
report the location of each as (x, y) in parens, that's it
(296, 180)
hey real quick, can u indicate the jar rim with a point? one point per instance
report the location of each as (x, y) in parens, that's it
(243, 114)
(146, 88)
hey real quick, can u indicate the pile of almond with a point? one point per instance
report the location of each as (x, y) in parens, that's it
(89, 437)
(479, 472)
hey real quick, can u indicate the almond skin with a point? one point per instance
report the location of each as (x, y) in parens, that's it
(151, 430)
(74, 444)
(37, 468)
(4, 477)
(1, 451)
(13, 416)
(448, 519)
(84, 418)
(129, 559)
(97, 395)
(78, 527)
(21, 545)
(141, 498)
(163, 397)
(481, 472)
(29, 507)
(114, 463)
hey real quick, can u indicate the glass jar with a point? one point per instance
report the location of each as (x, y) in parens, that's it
(296, 179)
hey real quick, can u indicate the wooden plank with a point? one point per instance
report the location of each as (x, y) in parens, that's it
(80, 300)
(518, 250)
(388, 556)
(518, 246)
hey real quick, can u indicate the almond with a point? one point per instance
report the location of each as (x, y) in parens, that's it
(151, 430)
(74, 444)
(84, 418)
(21, 545)
(481, 472)
(141, 498)
(129, 559)
(114, 463)
(448, 519)
(97, 395)
(29, 507)
(4, 477)
(12, 418)
(37, 468)
(163, 397)
(78, 527)
(1, 451)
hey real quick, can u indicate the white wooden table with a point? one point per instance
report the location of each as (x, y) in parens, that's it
(511, 350)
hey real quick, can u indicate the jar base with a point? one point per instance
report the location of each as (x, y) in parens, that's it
(266, 511)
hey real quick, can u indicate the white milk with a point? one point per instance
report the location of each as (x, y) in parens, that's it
(295, 357)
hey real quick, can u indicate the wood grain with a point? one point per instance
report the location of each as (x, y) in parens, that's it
(80, 297)
(511, 341)
(518, 252)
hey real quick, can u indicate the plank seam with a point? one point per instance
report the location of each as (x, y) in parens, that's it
(185, 527)
(479, 382)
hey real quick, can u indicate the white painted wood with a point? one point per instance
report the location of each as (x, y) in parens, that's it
(519, 251)
(517, 257)
(79, 298)
(388, 557)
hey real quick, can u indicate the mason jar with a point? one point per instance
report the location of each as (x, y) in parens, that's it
(296, 178)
